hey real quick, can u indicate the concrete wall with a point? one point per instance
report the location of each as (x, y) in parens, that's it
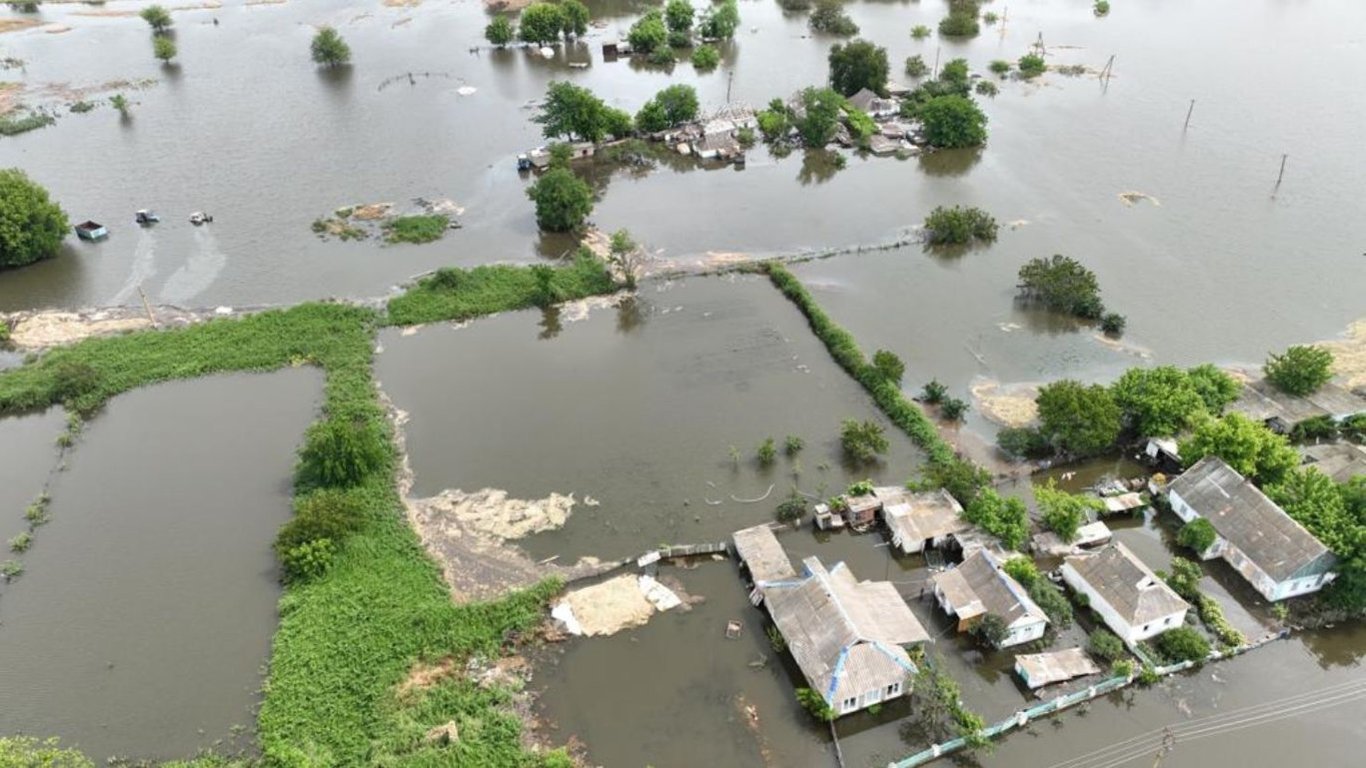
(1024, 631)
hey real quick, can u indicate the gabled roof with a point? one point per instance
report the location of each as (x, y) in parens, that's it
(1250, 521)
(1127, 584)
(845, 635)
(1340, 461)
(979, 585)
(863, 99)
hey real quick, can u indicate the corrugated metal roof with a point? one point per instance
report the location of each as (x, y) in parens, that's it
(760, 551)
(1040, 669)
(980, 579)
(1127, 584)
(1250, 521)
(922, 516)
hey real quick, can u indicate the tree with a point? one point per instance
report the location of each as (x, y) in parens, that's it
(1215, 387)
(1005, 518)
(888, 365)
(991, 629)
(1198, 535)
(959, 225)
(953, 121)
(1157, 402)
(679, 15)
(652, 117)
(1053, 602)
(1315, 501)
(1103, 644)
(862, 441)
(562, 199)
(823, 107)
(916, 66)
(956, 72)
(157, 17)
(570, 111)
(1300, 370)
(792, 509)
(1064, 513)
(163, 48)
(720, 22)
(541, 23)
(338, 454)
(500, 31)
(857, 65)
(953, 409)
(679, 103)
(1077, 419)
(31, 224)
(829, 17)
(1023, 442)
(1031, 65)
(1021, 569)
(648, 33)
(1183, 644)
(617, 122)
(1248, 447)
(1061, 284)
(626, 255)
(962, 19)
(329, 49)
(120, 102)
(706, 57)
(574, 17)
(963, 479)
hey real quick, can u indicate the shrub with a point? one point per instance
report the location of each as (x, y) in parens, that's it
(1112, 323)
(1122, 668)
(157, 17)
(1053, 602)
(1101, 7)
(916, 66)
(857, 65)
(767, 452)
(1022, 569)
(774, 124)
(1005, 518)
(339, 453)
(991, 629)
(541, 23)
(21, 543)
(163, 48)
(308, 560)
(678, 15)
(953, 121)
(920, 32)
(830, 18)
(953, 409)
(990, 18)
(563, 200)
(31, 225)
(11, 570)
(862, 441)
(815, 704)
(1103, 644)
(416, 229)
(663, 56)
(1185, 578)
(706, 57)
(793, 445)
(987, 88)
(73, 380)
(1031, 65)
(1322, 427)
(1300, 370)
(1215, 387)
(1198, 535)
(648, 33)
(999, 66)
(792, 509)
(958, 225)
(329, 49)
(1061, 284)
(327, 513)
(888, 365)
(962, 19)
(500, 31)
(28, 752)
(1183, 644)
(1064, 512)
(860, 488)
(934, 392)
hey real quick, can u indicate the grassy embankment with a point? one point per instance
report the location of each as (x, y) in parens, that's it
(350, 635)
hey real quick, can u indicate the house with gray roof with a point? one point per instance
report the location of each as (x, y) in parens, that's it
(918, 521)
(1277, 555)
(847, 636)
(1132, 600)
(979, 587)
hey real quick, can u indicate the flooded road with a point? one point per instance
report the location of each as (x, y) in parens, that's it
(635, 408)
(143, 619)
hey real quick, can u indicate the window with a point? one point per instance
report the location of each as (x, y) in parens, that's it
(893, 690)
(1169, 620)
(849, 704)
(1146, 626)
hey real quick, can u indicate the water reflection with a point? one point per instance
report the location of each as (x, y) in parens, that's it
(550, 323)
(950, 162)
(819, 166)
(630, 315)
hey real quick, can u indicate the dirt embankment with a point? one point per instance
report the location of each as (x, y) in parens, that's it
(1010, 405)
(470, 535)
(1349, 355)
(43, 329)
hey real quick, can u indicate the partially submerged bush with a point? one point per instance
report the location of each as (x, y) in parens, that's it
(416, 229)
(1031, 65)
(958, 225)
(1112, 323)
(705, 57)
(934, 392)
(830, 18)
(916, 66)
(962, 19)
(339, 453)
(1062, 284)
(1198, 535)
(767, 452)
(862, 441)
(999, 66)
(792, 509)
(953, 409)
(308, 560)
(1183, 644)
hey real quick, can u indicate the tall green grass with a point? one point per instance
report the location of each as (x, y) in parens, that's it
(461, 294)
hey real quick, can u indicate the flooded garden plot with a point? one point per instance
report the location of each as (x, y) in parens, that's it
(634, 410)
(142, 622)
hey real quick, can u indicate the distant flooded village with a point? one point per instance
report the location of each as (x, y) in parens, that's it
(576, 383)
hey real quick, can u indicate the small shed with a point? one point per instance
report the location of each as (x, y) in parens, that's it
(1040, 669)
(920, 520)
(759, 551)
(1089, 535)
(1125, 502)
(862, 510)
(91, 230)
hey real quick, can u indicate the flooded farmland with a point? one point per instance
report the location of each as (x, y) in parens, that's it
(143, 618)
(143, 632)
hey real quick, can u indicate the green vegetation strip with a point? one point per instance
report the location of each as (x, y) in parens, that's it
(352, 630)
(461, 294)
(885, 392)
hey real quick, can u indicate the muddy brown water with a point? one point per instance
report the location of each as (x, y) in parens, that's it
(142, 622)
(1224, 269)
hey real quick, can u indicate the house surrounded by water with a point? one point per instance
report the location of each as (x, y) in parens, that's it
(1132, 600)
(978, 588)
(847, 636)
(1277, 555)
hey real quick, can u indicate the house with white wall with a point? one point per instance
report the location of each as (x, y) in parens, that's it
(979, 587)
(1131, 599)
(1277, 555)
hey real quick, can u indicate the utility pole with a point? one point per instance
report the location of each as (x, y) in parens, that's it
(1188, 116)
(1281, 175)
(936, 62)
(1005, 13)
(730, 80)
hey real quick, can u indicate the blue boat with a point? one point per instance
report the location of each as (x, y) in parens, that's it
(91, 230)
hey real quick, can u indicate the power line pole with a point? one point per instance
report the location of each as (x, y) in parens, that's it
(1280, 175)
(1188, 116)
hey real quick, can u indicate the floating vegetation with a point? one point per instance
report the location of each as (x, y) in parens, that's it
(14, 124)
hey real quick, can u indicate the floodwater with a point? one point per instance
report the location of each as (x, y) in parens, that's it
(142, 622)
(635, 408)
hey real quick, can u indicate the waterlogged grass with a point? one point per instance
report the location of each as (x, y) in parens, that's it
(416, 229)
(460, 294)
(349, 636)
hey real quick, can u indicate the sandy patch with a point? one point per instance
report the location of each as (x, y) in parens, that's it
(105, 13)
(56, 29)
(9, 96)
(1349, 355)
(14, 25)
(506, 5)
(265, 2)
(490, 511)
(1008, 405)
(609, 607)
(574, 311)
(1120, 345)
(372, 211)
(402, 3)
(36, 330)
(1131, 198)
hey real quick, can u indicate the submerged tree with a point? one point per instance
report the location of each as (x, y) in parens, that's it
(163, 48)
(500, 31)
(952, 121)
(157, 17)
(862, 441)
(31, 224)
(541, 23)
(563, 200)
(329, 49)
(1062, 284)
(858, 65)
